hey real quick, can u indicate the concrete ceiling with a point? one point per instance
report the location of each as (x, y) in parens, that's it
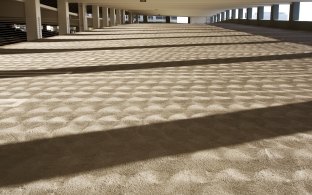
(180, 7)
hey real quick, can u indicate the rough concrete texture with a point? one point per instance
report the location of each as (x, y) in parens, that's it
(158, 109)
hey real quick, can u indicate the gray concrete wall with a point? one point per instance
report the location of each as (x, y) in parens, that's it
(199, 20)
(12, 11)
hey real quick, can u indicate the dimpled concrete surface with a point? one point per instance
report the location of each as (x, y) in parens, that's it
(157, 109)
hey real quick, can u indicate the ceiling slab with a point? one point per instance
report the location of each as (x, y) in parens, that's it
(180, 7)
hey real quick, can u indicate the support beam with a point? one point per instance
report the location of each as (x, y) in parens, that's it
(82, 12)
(130, 18)
(63, 17)
(118, 16)
(233, 13)
(260, 13)
(123, 16)
(112, 17)
(95, 17)
(249, 13)
(105, 21)
(227, 14)
(222, 16)
(33, 20)
(294, 11)
(145, 19)
(274, 12)
(240, 13)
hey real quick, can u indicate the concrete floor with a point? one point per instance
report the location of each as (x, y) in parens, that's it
(158, 109)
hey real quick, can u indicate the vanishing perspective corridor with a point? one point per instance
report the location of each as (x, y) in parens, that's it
(158, 109)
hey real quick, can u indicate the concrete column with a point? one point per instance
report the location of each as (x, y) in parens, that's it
(294, 11)
(112, 17)
(260, 13)
(145, 19)
(118, 16)
(63, 17)
(33, 20)
(274, 12)
(130, 18)
(105, 22)
(249, 13)
(189, 20)
(123, 16)
(95, 17)
(240, 13)
(227, 14)
(218, 17)
(233, 13)
(222, 16)
(82, 12)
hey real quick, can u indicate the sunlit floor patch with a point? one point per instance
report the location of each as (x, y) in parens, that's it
(201, 119)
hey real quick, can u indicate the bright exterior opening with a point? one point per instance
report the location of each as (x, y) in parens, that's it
(305, 11)
(244, 13)
(267, 13)
(284, 12)
(182, 20)
(254, 13)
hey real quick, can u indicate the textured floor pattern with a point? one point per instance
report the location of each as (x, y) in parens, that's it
(157, 109)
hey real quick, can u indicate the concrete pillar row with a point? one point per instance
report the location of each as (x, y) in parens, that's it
(112, 17)
(227, 14)
(105, 20)
(260, 13)
(63, 17)
(240, 13)
(95, 17)
(82, 12)
(33, 20)
(249, 13)
(294, 11)
(274, 12)
(233, 13)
